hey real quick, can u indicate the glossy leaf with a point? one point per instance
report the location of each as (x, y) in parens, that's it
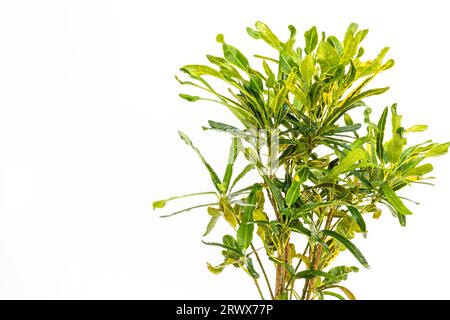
(307, 274)
(349, 245)
(311, 40)
(245, 231)
(380, 134)
(294, 191)
(327, 56)
(234, 150)
(394, 200)
(348, 162)
(358, 218)
(162, 203)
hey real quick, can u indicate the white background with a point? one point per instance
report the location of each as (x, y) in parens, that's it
(89, 115)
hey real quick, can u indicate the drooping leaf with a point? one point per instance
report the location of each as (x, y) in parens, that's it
(189, 97)
(162, 203)
(189, 209)
(349, 245)
(215, 216)
(358, 218)
(251, 269)
(345, 290)
(307, 274)
(215, 179)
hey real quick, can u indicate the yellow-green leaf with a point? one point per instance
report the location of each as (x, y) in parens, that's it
(327, 56)
(394, 200)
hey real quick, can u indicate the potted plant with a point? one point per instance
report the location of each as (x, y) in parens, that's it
(320, 173)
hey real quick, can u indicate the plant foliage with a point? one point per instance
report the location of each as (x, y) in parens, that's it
(322, 175)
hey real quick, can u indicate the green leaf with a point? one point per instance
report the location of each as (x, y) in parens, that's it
(267, 35)
(380, 134)
(234, 150)
(189, 209)
(341, 273)
(349, 245)
(294, 191)
(245, 230)
(417, 128)
(215, 179)
(358, 218)
(244, 171)
(333, 294)
(420, 170)
(307, 274)
(189, 97)
(347, 119)
(348, 162)
(200, 70)
(311, 39)
(229, 246)
(335, 43)
(374, 66)
(162, 203)
(216, 269)
(327, 57)
(346, 291)
(394, 200)
(438, 150)
(275, 192)
(252, 33)
(235, 57)
(307, 68)
(251, 269)
(212, 224)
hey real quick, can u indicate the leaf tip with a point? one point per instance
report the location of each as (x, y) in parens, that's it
(220, 38)
(159, 204)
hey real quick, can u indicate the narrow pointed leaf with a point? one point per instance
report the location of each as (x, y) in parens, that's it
(348, 162)
(162, 203)
(380, 134)
(349, 245)
(245, 230)
(215, 179)
(358, 218)
(307, 274)
(234, 150)
(394, 200)
(294, 191)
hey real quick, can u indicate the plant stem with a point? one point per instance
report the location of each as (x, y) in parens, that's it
(259, 289)
(263, 271)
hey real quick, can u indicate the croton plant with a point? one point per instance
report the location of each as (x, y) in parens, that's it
(320, 174)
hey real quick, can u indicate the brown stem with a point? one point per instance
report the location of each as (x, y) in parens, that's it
(317, 254)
